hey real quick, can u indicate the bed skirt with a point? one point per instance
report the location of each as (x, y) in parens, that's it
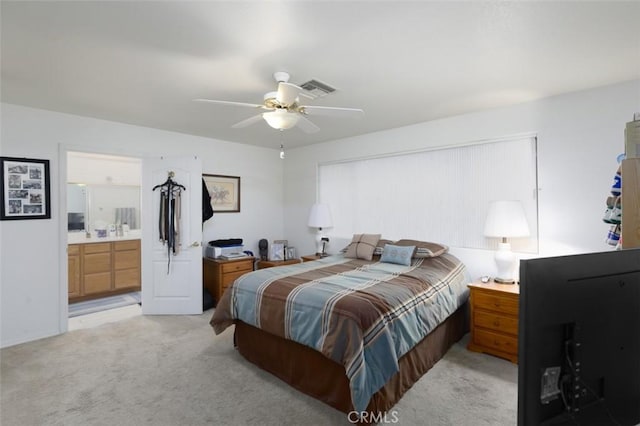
(312, 373)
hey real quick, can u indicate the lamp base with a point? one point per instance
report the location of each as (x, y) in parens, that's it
(504, 280)
(319, 242)
(504, 258)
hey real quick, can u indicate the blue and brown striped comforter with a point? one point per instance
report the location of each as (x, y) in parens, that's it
(363, 315)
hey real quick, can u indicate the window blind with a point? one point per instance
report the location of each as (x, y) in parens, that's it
(439, 195)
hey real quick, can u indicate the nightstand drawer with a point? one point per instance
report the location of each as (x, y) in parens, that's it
(495, 302)
(497, 341)
(496, 322)
(228, 279)
(245, 266)
(219, 274)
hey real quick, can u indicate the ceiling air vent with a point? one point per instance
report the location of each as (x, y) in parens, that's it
(317, 89)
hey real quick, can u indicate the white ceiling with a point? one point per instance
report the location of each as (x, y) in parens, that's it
(402, 62)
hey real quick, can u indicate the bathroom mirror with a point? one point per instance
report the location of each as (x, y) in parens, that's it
(76, 206)
(93, 205)
(102, 190)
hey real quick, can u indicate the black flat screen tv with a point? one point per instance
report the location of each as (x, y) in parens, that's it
(579, 340)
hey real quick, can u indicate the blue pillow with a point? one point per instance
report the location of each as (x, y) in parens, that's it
(400, 255)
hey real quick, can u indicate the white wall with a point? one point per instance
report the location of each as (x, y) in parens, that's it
(579, 137)
(30, 297)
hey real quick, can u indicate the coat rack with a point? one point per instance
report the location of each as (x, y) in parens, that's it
(169, 215)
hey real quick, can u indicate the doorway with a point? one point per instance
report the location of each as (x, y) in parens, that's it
(103, 226)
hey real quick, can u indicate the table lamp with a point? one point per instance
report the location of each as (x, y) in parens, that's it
(506, 219)
(320, 217)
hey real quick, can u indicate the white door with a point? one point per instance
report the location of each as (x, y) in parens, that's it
(172, 283)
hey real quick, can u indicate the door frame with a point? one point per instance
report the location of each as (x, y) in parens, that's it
(63, 276)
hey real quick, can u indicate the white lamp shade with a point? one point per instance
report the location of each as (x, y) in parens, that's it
(506, 219)
(281, 119)
(320, 216)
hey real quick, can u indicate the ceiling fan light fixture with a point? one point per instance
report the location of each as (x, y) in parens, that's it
(281, 119)
(281, 109)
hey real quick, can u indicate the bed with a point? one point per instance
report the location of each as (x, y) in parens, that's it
(355, 331)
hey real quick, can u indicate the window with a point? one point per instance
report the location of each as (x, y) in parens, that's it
(439, 195)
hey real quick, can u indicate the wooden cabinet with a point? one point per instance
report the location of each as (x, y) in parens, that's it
(73, 257)
(271, 263)
(218, 274)
(494, 319)
(96, 268)
(103, 269)
(630, 203)
(126, 264)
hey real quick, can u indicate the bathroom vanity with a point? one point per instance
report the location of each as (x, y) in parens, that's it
(101, 267)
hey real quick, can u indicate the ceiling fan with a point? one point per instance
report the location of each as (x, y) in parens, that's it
(282, 110)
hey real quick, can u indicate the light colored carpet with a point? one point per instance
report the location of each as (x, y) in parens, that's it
(173, 370)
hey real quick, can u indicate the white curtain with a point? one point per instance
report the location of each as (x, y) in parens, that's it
(439, 195)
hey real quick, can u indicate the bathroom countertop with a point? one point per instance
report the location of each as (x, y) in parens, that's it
(80, 238)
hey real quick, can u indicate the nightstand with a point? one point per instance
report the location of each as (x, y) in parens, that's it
(494, 319)
(310, 257)
(262, 264)
(218, 274)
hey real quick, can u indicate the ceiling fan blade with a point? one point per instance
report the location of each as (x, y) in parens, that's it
(306, 125)
(332, 111)
(247, 122)
(243, 104)
(287, 93)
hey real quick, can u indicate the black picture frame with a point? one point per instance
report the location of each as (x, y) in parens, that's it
(224, 192)
(26, 189)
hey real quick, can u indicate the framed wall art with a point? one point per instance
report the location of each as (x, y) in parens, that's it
(25, 189)
(224, 192)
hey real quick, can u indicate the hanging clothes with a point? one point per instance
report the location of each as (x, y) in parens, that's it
(169, 217)
(176, 222)
(207, 210)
